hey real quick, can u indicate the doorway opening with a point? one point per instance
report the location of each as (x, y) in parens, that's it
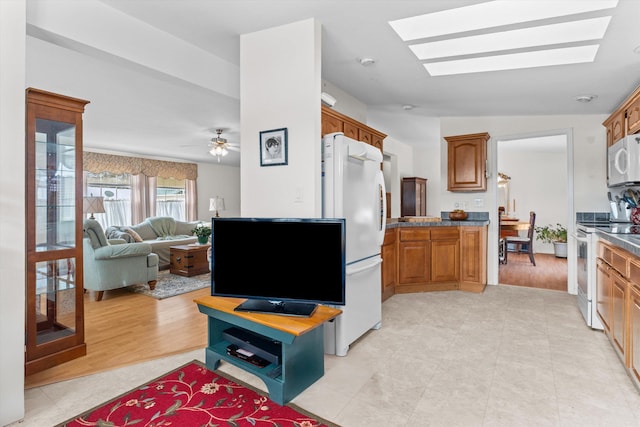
(538, 167)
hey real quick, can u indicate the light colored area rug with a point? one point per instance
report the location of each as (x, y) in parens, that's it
(170, 285)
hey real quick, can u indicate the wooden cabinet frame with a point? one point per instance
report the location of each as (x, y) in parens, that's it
(467, 162)
(54, 268)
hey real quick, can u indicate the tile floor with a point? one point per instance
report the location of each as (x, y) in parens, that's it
(512, 356)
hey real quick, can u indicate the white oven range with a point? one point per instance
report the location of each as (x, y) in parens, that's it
(586, 243)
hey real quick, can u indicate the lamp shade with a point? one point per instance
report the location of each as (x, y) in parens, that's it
(216, 204)
(92, 205)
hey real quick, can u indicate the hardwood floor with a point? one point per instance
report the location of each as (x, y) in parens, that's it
(548, 273)
(126, 328)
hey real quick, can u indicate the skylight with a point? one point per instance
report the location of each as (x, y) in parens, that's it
(542, 58)
(479, 30)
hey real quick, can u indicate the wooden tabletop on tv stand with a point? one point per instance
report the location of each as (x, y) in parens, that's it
(294, 325)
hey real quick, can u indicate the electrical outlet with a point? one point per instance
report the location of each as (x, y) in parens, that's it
(456, 205)
(478, 203)
(299, 196)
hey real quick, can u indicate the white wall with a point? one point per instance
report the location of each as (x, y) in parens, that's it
(217, 180)
(12, 208)
(415, 142)
(280, 88)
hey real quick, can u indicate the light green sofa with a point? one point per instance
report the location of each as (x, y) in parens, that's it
(160, 232)
(112, 264)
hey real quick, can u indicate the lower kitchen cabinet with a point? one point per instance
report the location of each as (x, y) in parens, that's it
(438, 258)
(414, 257)
(618, 303)
(618, 334)
(603, 297)
(389, 264)
(473, 253)
(445, 255)
(634, 333)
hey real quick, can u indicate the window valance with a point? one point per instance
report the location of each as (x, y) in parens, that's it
(99, 162)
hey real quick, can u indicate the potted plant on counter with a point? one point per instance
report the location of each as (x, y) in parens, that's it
(203, 232)
(554, 234)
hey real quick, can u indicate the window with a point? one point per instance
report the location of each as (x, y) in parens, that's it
(170, 198)
(116, 191)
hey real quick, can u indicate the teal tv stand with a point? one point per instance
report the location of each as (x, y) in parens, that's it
(301, 338)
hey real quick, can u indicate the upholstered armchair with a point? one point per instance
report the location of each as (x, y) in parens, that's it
(115, 264)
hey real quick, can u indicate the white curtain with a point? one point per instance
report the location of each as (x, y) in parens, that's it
(191, 199)
(172, 208)
(138, 198)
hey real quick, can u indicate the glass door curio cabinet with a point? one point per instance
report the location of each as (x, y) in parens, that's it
(54, 313)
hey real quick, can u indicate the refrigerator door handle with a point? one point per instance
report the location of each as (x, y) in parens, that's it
(375, 261)
(383, 206)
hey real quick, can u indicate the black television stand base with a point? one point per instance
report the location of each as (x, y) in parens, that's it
(287, 308)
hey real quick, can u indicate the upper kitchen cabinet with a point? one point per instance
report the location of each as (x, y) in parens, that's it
(615, 127)
(332, 121)
(466, 162)
(625, 120)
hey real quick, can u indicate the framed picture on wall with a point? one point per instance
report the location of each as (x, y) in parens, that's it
(273, 147)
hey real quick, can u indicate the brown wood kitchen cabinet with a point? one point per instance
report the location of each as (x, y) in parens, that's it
(615, 125)
(466, 162)
(437, 258)
(473, 254)
(414, 255)
(613, 283)
(445, 254)
(603, 298)
(625, 120)
(333, 121)
(413, 197)
(389, 264)
(634, 324)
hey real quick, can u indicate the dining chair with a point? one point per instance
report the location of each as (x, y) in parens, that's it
(520, 241)
(502, 242)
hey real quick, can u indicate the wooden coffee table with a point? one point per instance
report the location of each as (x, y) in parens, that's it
(189, 260)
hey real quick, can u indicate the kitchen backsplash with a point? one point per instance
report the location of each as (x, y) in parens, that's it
(592, 216)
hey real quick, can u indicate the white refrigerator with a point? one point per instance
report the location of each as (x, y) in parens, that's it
(353, 188)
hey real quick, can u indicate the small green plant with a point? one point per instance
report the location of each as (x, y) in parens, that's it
(202, 230)
(551, 234)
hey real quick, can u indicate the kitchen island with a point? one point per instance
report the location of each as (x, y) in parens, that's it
(435, 255)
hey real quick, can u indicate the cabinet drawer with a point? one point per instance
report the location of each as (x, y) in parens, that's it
(616, 258)
(408, 234)
(444, 233)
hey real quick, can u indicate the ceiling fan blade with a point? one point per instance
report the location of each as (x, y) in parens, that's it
(233, 148)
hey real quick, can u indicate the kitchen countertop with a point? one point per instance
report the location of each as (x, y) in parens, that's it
(394, 223)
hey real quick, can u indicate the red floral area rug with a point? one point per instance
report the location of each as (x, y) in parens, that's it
(192, 395)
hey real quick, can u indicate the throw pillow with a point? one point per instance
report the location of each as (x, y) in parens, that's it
(130, 232)
(114, 233)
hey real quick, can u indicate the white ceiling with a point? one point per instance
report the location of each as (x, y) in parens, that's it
(138, 109)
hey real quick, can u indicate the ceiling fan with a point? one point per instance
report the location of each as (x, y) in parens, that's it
(219, 146)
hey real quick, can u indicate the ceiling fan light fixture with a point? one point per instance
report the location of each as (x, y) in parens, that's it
(219, 146)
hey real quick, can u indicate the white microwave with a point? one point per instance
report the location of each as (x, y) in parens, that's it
(623, 162)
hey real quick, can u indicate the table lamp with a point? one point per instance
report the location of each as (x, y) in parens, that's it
(216, 204)
(92, 205)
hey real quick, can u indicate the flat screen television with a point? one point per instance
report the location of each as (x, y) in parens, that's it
(281, 265)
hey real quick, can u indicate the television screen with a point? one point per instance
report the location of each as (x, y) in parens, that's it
(282, 265)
